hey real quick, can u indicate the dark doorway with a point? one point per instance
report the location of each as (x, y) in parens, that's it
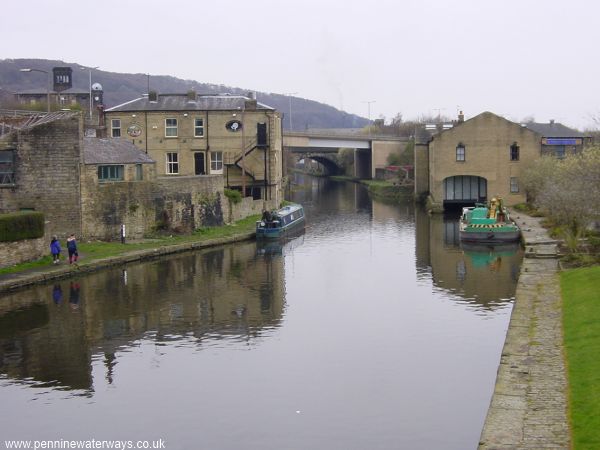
(199, 163)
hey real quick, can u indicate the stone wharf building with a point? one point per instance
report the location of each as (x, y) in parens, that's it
(193, 135)
(485, 156)
(93, 186)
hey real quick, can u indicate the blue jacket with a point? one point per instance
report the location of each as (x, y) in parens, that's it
(55, 247)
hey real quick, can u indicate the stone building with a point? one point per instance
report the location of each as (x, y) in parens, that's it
(559, 140)
(229, 135)
(62, 95)
(475, 160)
(93, 186)
(40, 158)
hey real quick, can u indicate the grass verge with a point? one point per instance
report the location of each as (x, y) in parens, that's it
(97, 250)
(580, 290)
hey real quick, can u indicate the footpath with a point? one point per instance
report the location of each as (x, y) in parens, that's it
(529, 405)
(36, 275)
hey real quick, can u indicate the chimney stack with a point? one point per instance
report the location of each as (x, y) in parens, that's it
(461, 117)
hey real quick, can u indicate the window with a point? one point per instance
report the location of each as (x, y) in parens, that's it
(216, 162)
(514, 152)
(514, 185)
(115, 127)
(110, 173)
(172, 163)
(199, 127)
(170, 127)
(139, 172)
(559, 151)
(7, 167)
(460, 152)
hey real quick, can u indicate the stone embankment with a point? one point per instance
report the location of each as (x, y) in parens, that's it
(529, 405)
(17, 280)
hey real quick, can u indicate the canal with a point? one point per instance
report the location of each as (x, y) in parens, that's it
(373, 329)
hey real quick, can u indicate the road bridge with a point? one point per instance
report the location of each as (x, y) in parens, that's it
(370, 151)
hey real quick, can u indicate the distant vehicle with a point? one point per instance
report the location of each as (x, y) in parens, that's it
(488, 223)
(279, 223)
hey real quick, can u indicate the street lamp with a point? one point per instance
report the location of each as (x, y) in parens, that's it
(47, 82)
(289, 94)
(368, 102)
(90, 86)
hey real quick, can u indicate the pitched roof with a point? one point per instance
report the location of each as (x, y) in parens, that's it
(71, 91)
(112, 151)
(181, 102)
(553, 129)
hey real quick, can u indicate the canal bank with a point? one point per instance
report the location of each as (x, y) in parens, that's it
(36, 275)
(528, 409)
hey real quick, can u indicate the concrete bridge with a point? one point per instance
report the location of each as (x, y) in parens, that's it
(370, 151)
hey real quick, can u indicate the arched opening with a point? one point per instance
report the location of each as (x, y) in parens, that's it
(464, 190)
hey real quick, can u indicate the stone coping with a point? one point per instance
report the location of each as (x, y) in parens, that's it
(29, 277)
(528, 409)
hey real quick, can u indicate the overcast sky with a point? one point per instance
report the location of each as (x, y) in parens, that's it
(516, 58)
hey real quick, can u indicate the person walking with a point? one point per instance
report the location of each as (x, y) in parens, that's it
(72, 249)
(55, 249)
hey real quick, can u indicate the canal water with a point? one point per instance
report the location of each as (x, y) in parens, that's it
(373, 329)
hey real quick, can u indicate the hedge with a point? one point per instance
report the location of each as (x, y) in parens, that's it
(21, 225)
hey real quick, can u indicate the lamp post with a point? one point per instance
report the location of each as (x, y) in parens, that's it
(368, 102)
(47, 82)
(289, 94)
(90, 86)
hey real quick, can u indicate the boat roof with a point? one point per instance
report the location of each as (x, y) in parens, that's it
(288, 209)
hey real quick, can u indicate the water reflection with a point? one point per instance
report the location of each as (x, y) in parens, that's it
(483, 275)
(48, 334)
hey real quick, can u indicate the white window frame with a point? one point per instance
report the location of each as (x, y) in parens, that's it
(216, 162)
(169, 128)
(172, 163)
(461, 156)
(115, 126)
(199, 129)
(514, 185)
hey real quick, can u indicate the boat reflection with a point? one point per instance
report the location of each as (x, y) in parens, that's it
(483, 275)
(282, 246)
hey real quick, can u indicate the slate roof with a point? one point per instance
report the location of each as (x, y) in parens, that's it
(112, 151)
(180, 102)
(554, 130)
(71, 91)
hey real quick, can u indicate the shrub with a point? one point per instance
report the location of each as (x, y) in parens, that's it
(21, 225)
(234, 196)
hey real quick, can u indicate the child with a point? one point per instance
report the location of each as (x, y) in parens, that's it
(72, 248)
(55, 249)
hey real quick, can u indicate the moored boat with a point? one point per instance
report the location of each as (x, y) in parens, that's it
(488, 223)
(280, 223)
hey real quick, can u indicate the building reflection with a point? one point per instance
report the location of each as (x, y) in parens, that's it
(483, 275)
(51, 334)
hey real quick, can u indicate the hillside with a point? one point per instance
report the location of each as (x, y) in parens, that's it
(122, 87)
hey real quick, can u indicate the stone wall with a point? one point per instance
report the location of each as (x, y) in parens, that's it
(106, 206)
(188, 203)
(247, 207)
(47, 164)
(12, 253)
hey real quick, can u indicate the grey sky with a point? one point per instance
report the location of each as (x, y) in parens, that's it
(516, 58)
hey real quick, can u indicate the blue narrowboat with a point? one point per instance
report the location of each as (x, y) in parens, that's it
(279, 223)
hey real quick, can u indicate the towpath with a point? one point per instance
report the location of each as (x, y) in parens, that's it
(529, 405)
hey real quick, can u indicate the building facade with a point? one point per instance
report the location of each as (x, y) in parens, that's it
(485, 156)
(474, 161)
(233, 136)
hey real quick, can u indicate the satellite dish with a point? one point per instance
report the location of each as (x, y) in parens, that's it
(96, 87)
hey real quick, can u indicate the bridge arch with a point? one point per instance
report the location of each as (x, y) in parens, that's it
(329, 163)
(464, 189)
